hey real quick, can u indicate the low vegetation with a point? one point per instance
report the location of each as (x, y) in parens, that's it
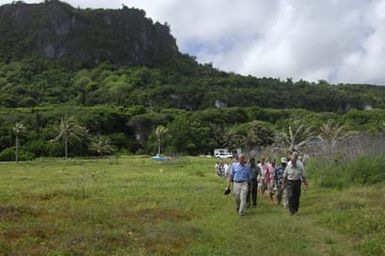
(137, 206)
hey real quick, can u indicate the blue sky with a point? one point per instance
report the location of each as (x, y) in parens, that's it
(342, 41)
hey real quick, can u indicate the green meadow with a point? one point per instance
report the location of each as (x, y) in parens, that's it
(137, 206)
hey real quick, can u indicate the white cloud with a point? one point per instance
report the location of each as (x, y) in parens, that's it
(335, 40)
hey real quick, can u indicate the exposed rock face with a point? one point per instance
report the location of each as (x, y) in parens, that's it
(83, 36)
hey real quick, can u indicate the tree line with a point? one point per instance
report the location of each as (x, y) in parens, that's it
(62, 131)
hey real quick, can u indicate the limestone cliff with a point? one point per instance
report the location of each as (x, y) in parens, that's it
(56, 30)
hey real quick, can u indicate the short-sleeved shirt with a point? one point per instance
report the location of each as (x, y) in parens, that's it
(269, 175)
(226, 169)
(263, 168)
(255, 172)
(240, 173)
(278, 176)
(296, 173)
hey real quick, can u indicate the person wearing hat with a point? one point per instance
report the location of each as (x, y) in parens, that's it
(278, 180)
(293, 176)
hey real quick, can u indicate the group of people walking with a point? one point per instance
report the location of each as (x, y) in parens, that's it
(282, 182)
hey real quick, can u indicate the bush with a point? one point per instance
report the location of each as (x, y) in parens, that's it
(44, 148)
(340, 174)
(8, 154)
(368, 170)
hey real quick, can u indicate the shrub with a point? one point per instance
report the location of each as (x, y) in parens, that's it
(44, 148)
(340, 174)
(8, 154)
(367, 170)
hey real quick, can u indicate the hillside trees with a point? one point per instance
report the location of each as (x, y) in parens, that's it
(37, 82)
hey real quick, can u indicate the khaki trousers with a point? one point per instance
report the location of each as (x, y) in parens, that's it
(240, 194)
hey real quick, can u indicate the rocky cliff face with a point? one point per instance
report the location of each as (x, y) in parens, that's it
(56, 30)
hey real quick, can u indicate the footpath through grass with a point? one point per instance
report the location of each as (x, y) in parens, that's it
(137, 206)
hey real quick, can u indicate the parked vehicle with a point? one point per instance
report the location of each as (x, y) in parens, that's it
(222, 153)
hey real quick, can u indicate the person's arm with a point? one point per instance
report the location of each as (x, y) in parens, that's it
(303, 176)
(249, 176)
(230, 177)
(229, 181)
(304, 180)
(284, 182)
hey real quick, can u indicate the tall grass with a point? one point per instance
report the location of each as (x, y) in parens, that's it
(338, 173)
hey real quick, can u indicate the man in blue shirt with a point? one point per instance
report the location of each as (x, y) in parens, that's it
(240, 174)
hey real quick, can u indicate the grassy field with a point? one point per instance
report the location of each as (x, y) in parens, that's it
(137, 206)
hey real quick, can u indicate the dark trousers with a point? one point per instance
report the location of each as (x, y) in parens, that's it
(293, 193)
(252, 192)
(278, 195)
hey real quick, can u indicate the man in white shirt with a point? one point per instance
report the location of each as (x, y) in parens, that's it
(293, 176)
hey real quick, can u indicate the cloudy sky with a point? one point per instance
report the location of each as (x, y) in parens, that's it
(340, 41)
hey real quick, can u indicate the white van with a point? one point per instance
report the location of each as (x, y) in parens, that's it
(222, 153)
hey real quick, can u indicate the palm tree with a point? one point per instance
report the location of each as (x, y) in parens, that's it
(102, 145)
(19, 129)
(160, 131)
(69, 129)
(295, 138)
(330, 133)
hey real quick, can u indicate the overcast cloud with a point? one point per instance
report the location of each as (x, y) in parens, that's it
(339, 41)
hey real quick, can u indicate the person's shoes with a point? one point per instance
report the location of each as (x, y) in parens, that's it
(241, 214)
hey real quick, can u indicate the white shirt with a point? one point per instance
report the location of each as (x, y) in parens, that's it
(294, 173)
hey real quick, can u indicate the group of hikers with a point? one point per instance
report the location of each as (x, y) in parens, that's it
(246, 177)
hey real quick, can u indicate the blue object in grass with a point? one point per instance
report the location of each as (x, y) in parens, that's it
(159, 158)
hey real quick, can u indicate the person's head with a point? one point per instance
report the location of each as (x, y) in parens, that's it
(283, 161)
(294, 156)
(262, 160)
(252, 161)
(242, 158)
